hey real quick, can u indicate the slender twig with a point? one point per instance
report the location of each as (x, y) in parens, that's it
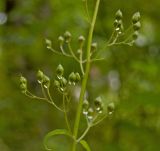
(72, 53)
(50, 98)
(65, 115)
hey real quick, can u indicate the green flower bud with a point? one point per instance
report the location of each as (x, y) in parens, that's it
(67, 36)
(40, 76)
(135, 35)
(23, 87)
(115, 23)
(46, 81)
(81, 40)
(85, 107)
(137, 26)
(90, 114)
(23, 80)
(72, 78)
(111, 107)
(136, 17)
(49, 43)
(60, 71)
(61, 40)
(57, 84)
(98, 103)
(93, 46)
(78, 77)
(119, 15)
(64, 82)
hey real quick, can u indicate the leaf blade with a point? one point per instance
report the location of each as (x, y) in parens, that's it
(85, 145)
(53, 133)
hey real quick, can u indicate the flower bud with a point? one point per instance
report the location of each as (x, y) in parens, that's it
(81, 40)
(111, 107)
(40, 76)
(46, 81)
(78, 77)
(135, 35)
(98, 103)
(61, 40)
(64, 82)
(67, 36)
(115, 23)
(60, 71)
(137, 26)
(49, 43)
(119, 15)
(72, 77)
(23, 80)
(57, 84)
(93, 46)
(136, 17)
(90, 114)
(23, 87)
(85, 107)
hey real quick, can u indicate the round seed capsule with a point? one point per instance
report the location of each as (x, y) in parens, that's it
(98, 103)
(61, 40)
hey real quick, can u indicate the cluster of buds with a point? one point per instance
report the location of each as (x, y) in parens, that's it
(74, 78)
(118, 23)
(23, 84)
(43, 79)
(91, 112)
(136, 25)
(61, 81)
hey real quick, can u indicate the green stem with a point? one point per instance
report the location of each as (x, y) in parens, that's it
(65, 114)
(85, 79)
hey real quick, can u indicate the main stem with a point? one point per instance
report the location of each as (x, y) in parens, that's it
(85, 79)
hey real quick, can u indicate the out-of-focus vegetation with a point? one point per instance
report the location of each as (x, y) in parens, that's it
(129, 75)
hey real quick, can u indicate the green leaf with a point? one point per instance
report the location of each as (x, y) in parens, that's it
(85, 145)
(53, 133)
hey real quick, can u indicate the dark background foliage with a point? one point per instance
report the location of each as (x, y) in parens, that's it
(128, 75)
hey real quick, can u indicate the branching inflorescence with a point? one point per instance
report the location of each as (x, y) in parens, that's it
(93, 114)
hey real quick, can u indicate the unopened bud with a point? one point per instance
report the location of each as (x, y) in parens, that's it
(98, 103)
(72, 77)
(60, 71)
(57, 84)
(78, 77)
(93, 46)
(135, 35)
(137, 26)
(23, 80)
(61, 40)
(111, 107)
(85, 107)
(119, 15)
(67, 36)
(90, 114)
(136, 17)
(40, 76)
(46, 81)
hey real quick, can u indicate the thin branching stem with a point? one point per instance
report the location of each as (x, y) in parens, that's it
(65, 114)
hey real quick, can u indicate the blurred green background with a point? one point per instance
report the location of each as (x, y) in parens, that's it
(128, 75)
